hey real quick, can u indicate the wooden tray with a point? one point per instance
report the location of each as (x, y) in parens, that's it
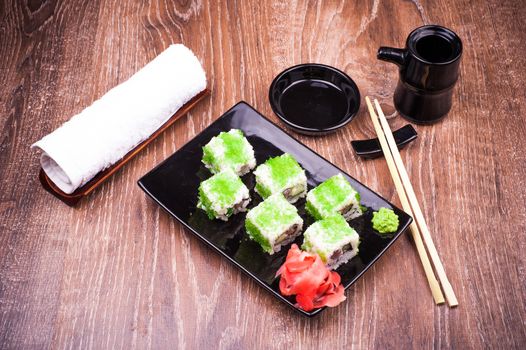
(73, 198)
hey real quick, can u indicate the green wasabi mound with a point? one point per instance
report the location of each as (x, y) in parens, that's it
(385, 221)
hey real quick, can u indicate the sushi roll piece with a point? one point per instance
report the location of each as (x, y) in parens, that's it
(334, 196)
(332, 239)
(281, 174)
(273, 223)
(223, 195)
(229, 150)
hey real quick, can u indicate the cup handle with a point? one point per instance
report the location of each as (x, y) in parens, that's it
(391, 54)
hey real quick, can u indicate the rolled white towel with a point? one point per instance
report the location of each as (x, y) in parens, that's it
(104, 132)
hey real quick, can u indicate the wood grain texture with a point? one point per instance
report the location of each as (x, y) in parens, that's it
(117, 272)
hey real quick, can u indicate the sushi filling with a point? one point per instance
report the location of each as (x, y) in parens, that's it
(246, 168)
(287, 237)
(294, 193)
(341, 256)
(238, 208)
(351, 211)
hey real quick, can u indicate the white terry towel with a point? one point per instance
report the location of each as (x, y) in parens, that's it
(103, 133)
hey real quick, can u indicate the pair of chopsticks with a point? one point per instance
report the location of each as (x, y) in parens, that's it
(410, 204)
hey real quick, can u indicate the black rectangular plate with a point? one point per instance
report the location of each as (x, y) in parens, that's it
(173, 185)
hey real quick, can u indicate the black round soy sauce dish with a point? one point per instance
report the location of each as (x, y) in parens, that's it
(314, 99)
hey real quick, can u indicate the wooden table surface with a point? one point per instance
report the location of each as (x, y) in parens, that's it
(118, 272)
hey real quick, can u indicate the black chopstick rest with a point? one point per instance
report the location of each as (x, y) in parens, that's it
(371, 148)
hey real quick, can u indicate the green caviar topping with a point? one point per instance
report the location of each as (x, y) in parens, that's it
(311, 209)
(209, 158)
(273, 212)
(282, 168)
(330, 196)
(279, 174)
(223, 187)
(228, 150)
(220, 193)
(257, 236)
(234, 142)
(270, 219)
(333, 191)
(385, 221)
(263, 190)
(335, 228)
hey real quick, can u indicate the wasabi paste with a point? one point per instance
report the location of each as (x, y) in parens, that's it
(385, 221)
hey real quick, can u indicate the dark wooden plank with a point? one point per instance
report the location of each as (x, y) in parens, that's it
(117, 272)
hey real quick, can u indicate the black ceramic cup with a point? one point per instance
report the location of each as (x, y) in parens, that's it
(429, 69)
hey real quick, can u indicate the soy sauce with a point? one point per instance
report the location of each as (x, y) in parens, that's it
(314, 104)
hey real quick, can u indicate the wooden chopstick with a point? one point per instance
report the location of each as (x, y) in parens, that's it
(428, 269)
(421, 222)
